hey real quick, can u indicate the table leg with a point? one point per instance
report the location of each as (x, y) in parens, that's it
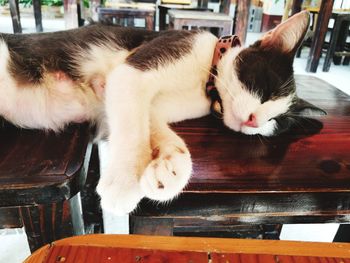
(227, 28)
(90, 200)
(241, 19)
(343, 233)
(37, 15)
(46, 223)
(319, 36)
(16, 19)
(225, 6)
(332, 45)
(162, 17)
(296, 6)
(341, 40)
(150, 22)
(203, 3)
(70, 14)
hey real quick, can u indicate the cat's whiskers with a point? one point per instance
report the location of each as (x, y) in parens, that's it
(260, 139)
(287, 82)
(221, 82)
(240, 58)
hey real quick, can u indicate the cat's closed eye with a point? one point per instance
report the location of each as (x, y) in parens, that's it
(262, 98)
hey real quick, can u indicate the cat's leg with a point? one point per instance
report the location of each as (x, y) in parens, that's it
(171, 166)
(128, 116)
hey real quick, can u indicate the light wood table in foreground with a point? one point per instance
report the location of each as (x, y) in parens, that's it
(135, 248)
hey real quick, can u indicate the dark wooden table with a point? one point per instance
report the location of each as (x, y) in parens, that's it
(148, 249)
(299, 177)
(40, 175)
(108, 14)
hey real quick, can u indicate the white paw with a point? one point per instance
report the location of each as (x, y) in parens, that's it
(167, 174)
(119, 196)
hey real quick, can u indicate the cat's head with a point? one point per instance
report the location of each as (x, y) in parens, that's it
(256, 84)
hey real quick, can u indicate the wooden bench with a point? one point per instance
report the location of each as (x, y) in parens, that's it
(127, 249)
(41, 174)
(249, 185)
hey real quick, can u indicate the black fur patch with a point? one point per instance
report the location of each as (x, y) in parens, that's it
(168, 47)
(33, 54)
(265, 72)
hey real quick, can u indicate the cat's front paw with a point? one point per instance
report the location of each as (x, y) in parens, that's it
(167, 174)
(119, 196)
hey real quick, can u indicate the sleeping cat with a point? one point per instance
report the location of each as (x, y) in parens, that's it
(133, 82)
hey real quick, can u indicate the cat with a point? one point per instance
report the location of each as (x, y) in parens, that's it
(131, 83)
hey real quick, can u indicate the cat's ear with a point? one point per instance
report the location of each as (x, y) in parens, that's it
(303, 108)
(288, 35)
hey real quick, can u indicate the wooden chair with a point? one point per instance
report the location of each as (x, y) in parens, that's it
(128, 249)
(16, 18)
(125, 14)
(184, 19)
(201, 6)
(247, 186)
(41, 176)
(337, 47)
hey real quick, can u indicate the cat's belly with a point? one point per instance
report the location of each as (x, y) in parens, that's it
(51, 105)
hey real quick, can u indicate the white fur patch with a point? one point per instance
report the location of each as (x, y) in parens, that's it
(239, 103)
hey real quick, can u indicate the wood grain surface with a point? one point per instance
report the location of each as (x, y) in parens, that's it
(299, 177)
(299, 161)
(42, 166)
(133, 248)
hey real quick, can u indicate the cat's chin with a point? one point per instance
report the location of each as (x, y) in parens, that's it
(268, 129)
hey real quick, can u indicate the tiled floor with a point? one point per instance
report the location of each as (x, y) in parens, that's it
(14, 247)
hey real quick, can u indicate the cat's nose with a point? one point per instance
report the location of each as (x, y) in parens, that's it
(251, 122)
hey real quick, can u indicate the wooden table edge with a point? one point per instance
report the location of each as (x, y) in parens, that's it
(195, 244)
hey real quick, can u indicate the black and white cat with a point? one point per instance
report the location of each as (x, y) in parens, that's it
(132, 83)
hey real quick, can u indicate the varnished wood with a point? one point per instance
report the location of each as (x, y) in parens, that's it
(38, 167)
(320, 34)
(241, 19)
(178, 249)
(40, 172)
(298, 177)
(46, 223)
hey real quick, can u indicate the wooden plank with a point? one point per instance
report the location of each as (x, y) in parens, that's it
(92, 254)
(210, 245)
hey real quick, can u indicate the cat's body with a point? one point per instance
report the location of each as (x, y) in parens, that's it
(132, 83)
(70, 71)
